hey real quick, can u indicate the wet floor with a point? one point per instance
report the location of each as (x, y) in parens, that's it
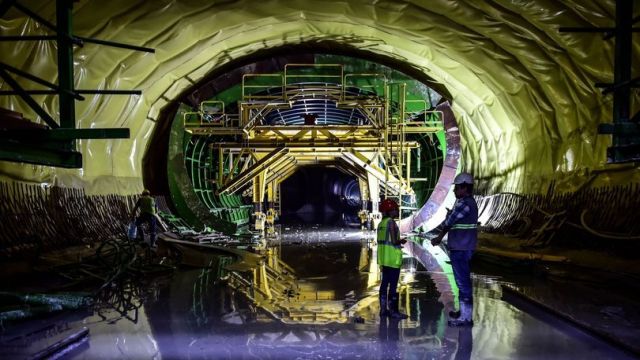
(328, 311)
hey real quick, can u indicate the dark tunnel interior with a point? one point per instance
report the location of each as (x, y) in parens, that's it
(320, 195)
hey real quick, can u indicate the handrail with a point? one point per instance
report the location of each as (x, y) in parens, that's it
(289, 67)
(363, 75)
(213, 118)
(212, 102)
(246, 96)
(186, 124)
(414, 101)
(435, 123)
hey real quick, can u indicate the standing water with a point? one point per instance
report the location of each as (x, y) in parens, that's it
(313, 296)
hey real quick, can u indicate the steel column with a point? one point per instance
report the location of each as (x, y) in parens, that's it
(64, 31)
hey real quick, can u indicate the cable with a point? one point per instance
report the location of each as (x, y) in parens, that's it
(604, 235)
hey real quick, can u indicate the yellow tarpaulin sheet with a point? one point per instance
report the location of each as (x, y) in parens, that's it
(522, 91)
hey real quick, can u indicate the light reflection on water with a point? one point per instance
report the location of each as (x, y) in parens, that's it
(195, 315)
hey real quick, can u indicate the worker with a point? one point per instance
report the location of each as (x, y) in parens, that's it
(363, 215)
(148, 209)
(270, 221)
(310, 119)
(390, 259)
(462, 225)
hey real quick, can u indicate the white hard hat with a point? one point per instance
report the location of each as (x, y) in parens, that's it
(463, 178)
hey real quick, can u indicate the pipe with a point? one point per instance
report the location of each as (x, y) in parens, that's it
(522, 255)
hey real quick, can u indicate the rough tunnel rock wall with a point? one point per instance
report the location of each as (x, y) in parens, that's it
(36, 219)
(603, 217)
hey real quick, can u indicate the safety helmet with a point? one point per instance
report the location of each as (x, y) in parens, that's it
(463, 178)
(146, 192)
(387, 205)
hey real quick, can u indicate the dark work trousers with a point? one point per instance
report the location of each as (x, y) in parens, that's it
(389, 282)
(462, 273)
(149, 219)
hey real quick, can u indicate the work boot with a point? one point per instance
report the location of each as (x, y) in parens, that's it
(465, 318)
(393, 309)
(383, 306)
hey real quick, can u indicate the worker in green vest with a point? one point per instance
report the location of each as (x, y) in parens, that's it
(148, 209)
(389, 259)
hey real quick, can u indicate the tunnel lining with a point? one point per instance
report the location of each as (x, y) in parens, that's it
(550, 140)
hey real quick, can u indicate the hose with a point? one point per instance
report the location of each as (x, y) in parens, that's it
(604, 235)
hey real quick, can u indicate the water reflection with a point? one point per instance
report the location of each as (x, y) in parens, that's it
(389, 334)
(312, 299)
(463, 338)
(308, 297)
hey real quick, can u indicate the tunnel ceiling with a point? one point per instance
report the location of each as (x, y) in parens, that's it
(523, 93)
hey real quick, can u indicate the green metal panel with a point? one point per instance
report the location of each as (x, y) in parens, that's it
(61, 134)
(199, 158)
(188, 202)
(41, 155)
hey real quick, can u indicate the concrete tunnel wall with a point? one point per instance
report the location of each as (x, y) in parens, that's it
(522, 92)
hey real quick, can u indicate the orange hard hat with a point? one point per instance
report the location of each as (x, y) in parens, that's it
(387, 205)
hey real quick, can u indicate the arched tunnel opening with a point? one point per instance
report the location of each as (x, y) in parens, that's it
(194, 164)
(218, 179)
(324, 196)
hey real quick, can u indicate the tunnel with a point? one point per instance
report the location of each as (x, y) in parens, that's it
(336, 201)
(315, 73)
(266, 139)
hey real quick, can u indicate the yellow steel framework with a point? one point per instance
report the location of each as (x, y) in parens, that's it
(375, 150)
(274, 287)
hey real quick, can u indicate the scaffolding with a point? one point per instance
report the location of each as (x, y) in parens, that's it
(258, 153)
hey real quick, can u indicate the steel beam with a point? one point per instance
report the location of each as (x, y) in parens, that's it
(35, 16)
(315, 144)
(5, 6)
(288, 162)
(628, 128)
(65, 134)
(609, 87)
(28, 99)
(351, 169)
(57, 146)
(283, 172)
(27, 37)
(64, 30)
(389, 180)
(255, 169)
(232, 168)
(115, 44)
(624, 144)
(286, 175)
(57, 89)
(109, 92)
(29, 153)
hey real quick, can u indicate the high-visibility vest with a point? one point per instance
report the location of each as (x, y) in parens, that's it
(147, 205)
(388, 254)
